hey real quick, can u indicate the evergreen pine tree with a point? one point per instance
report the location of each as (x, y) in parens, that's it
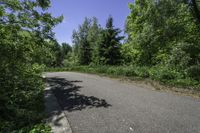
(109, 49)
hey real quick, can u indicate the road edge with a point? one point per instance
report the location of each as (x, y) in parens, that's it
(56, 117)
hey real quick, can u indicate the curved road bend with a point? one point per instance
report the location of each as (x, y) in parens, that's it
(95, 104)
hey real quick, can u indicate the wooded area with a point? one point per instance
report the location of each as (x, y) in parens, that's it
(26, 39)
(161, 42)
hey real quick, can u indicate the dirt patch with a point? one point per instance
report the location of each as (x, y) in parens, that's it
(156, 86)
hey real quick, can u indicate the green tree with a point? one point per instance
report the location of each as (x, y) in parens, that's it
(66, 48)
(156, 29)
(58, 54)
(152, 27)
(82, 46)
(94, 39)
(196, 8)
(109, 48)
(24, 46)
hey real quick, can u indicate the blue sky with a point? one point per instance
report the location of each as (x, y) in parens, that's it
(74, 12)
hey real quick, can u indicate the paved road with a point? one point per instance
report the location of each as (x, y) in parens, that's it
(95, 104)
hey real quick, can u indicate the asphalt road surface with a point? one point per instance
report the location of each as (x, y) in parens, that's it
(94, 104)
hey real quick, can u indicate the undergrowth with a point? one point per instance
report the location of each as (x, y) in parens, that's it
(162, 74)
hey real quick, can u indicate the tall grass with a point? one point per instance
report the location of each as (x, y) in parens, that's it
(161, 74)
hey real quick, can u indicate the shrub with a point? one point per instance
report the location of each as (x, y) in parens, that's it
(21, 98)
(129, 71)
(159, 73)
(194, 72)
(184, 55)
(39, 128)
(142, 72)
(163, 74)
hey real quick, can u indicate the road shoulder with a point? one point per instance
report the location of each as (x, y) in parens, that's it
(56, 118)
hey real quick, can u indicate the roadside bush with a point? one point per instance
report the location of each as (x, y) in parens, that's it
(21, 98)
(142, 72)
(185, 55)
(118, 70)
(159, 73)
(188, 82)
(194, 72)
(111, 70)
(129, 71)
(101, 69)
(163, 74)
(39, 128)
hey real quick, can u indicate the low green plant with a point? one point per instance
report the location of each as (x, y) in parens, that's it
(162, 74)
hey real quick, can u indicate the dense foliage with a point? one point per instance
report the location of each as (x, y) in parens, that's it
(162, 34)
(163, 43)
(97, 45)
(25, 36)
(109, 48)
(86, 40)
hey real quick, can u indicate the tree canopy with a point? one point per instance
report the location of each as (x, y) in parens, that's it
(25, 48)
(161, 42)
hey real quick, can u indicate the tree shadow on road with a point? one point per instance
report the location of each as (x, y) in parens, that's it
(69, 97)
